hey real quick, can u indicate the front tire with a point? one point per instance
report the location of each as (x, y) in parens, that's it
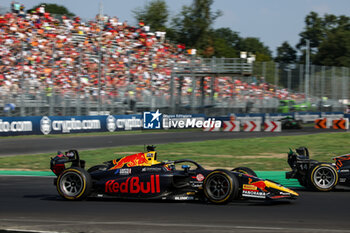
(74, 184)
(220, 186)
(323, 177)
(245, 170)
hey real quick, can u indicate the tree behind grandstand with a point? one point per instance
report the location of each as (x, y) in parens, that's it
(193, 26)
(154, 14)
(53, 9)
(329, 39)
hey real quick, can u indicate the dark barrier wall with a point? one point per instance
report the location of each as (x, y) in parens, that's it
(13, 126)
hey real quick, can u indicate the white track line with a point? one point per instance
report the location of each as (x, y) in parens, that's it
(135, 223)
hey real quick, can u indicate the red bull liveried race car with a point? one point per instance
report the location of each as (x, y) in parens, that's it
(141, 176)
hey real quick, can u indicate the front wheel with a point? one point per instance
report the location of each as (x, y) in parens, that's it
(74, 184)
(220, 186)
(245, 170)
(323, 177)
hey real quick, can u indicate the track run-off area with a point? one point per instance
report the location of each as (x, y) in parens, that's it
(32, 204)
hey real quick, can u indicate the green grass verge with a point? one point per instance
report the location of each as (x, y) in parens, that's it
(261, 154)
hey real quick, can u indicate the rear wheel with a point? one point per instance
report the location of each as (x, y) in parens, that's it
(245, 170)
(323, 177)
(220, 186)
(74, 184)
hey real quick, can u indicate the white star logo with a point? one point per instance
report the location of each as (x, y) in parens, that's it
(156, 115)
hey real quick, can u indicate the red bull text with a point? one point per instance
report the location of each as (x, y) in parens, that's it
(133, 185)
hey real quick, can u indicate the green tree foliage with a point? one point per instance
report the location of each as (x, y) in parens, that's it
(193, 26)
(255, 46)
(286, 54)
(335, 51)
(226, 42)
(329, 39)
(53, 9)
(314, 32)
(155, 14)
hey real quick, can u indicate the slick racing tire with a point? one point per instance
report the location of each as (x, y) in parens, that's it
(323, 177)
(245, 170)
(74, 184)
(220, 186)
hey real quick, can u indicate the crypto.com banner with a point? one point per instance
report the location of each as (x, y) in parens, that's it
(12, 126)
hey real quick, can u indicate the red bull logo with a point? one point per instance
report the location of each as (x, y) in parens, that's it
(131, 161)
(133, 185)
(260, 184)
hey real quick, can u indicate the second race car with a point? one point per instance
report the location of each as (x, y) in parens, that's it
(319, 176)
(141, 176)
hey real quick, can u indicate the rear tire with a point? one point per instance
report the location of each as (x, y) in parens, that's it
(74, 184)
(323, 177)
(220, 186)
(245, 170)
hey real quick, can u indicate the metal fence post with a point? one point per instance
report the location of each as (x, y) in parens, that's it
(23, 113)
(52, 94)
(344, 84)
(312, 81)
(289, 79)
(301, 79)
(264, 70)
(172, 99)
(79, 84)
(323, 72)
(334, 94)
(193, 94)
(276, 76)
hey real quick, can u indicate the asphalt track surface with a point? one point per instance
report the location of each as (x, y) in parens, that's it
(31, 204)
(15, 146)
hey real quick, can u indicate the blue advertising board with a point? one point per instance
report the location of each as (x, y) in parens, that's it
(12, 126)
(36, 125)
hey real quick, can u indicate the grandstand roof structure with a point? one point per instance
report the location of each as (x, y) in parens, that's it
(213, 67)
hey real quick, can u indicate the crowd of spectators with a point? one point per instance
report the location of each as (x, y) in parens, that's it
(41, 54)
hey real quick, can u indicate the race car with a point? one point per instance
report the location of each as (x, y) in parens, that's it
(317, 175)
(290, 122)
(141, 176)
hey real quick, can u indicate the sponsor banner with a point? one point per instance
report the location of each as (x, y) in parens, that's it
(305, 117)
(255, 194)
(133, 185)
(17, 125)
(123, 122)
(13, 126)
(176, 121)
(157, 120)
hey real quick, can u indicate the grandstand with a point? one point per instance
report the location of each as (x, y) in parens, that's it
(64, 66)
